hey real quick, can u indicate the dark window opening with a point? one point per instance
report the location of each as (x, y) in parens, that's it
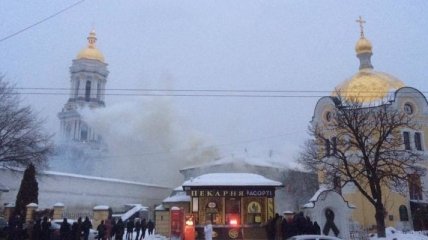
(337, 184)
(418, 141)
(415, 187)
(88, 91)
(406, 138)
(334, 145)
(327, 148)
(404, 214)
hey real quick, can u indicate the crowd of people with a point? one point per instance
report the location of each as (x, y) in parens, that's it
(110, 229)
(280, 228)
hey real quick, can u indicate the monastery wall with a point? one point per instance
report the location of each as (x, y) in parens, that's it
(82, 193)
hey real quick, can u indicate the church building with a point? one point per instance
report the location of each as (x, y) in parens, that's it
(87, 90)
(374, 89)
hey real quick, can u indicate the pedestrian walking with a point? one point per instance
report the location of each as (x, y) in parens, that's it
(101, 230)
(86, 226)
(150, 227)
(119, 229)
(208, 231)
(129, 229)
(143, 228)
(64, 230)
(137, 228)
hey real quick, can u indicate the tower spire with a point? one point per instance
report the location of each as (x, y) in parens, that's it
(361, 22)
(92, 39)
(363, 47)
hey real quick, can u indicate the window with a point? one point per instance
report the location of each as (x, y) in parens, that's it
(233, 211)
(334, 145)
(98, 91)
(77, 88)
(404, 214)
(406, 138)
(88, 91)
(408, 108)
(418, 141)
(84, 133)
(254, 213)
(415, 187)
(327, 147)
(337, 185)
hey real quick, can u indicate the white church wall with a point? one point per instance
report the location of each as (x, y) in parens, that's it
(81, 192)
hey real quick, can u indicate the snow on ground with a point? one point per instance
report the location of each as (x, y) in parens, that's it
(393, 234)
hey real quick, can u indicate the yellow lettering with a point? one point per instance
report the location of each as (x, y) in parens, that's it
(217, 193)
(233, 193)
(209, 193)
(225, 193)
(201, 193)
(241, 193)
(194, 193)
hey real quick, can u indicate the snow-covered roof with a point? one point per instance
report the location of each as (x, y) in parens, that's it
(100, 179)
(254, 161)
(177, 198)
(135, 208)
(101, 207)
(160, 208)
(231, 179)
(59, 204)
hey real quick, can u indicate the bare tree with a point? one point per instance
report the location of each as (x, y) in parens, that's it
(363, 145)
(22, 139)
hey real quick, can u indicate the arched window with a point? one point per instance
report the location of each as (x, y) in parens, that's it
(98, 91)
(404, 215)
(88, 91)
(84, 133)
(76, 93)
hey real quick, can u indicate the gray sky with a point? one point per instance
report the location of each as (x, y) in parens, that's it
(216, 45)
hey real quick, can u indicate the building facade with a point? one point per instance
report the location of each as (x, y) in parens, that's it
(87, 90)
(373, 89)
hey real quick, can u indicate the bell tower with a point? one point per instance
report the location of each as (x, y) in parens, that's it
(87, 88)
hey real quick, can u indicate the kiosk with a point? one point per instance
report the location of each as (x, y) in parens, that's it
(237, 204)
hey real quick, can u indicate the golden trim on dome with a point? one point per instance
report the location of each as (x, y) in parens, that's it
(91, 52)
(369, 86)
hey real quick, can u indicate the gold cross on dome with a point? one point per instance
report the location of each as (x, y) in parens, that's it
(361, 22)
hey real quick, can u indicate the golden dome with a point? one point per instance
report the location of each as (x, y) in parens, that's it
(91, 52)
(363, 46)
(369, 86)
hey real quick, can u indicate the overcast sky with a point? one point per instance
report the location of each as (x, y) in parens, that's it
(270, 45)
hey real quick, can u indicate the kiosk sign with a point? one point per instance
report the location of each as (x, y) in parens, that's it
(232, 193)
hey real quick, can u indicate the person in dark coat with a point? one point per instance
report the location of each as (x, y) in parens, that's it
(129, 229)
(86, 226)
(37, 230)
(317, 228)
(46, 231)
(143, 228)
(101, 230)
(73, 233)
(150, 226)
(64, 230)
(79, 228)
(269, 227)
(137, 229)
(119, 229)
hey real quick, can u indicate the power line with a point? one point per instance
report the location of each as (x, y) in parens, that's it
(234, 93)
(41, 21)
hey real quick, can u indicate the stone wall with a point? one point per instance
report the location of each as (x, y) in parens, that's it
(82, 193)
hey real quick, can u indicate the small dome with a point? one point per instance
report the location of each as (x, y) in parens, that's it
(91, 52)
(363, 46)
(368, 86)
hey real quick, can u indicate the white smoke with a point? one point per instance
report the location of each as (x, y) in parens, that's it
(147, 141)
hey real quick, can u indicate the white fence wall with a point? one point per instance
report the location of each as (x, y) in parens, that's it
(83, 192)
